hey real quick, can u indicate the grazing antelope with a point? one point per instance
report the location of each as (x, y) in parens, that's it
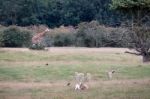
(88, 77)
(83, 86)
(81, 78)
(110, 74)
(77, 86)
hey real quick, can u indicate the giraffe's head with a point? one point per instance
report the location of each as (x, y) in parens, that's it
(47, 30)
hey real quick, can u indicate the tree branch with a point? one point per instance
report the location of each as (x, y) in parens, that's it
(134, 53)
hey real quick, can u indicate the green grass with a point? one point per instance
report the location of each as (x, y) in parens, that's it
(64, 71)
(30, 66)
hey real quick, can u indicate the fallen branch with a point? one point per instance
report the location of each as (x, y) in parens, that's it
(134, 53)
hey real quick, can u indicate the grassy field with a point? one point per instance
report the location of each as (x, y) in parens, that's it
(24, 74)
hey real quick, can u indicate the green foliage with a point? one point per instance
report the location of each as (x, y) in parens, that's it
(126, 4)
(137, 11)
(63, 39)
(141, 39)
(94, 35)
(118, 37)
(2, 28)
(15, 37)
(89, 34)
(139, 26)
(56, 12)
(1, 38)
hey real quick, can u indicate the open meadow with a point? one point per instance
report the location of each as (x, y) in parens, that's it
(29, 74)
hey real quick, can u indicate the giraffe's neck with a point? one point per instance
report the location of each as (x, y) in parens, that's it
(41, 34)
(37, 38)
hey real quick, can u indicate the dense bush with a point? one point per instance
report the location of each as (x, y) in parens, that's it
(15, 37)
(117, 37)
(87, 34)
(1, 44)
(2, 28)
(90, 35)
(63, 39)
(94, 35)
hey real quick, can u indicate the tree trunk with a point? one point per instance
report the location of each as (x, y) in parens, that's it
(146, 58)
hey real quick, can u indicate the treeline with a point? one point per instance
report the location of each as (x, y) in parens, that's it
(87, 34)
(54, 13)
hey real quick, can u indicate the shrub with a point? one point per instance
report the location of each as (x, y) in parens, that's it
(2, 28)
(63, 39)
(37, 47)
(1, 44)
(91, 35)
(117, 37)
(15, 37)
(94, 35)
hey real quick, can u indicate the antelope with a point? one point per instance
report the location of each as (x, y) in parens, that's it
(81, 78)
(110, 74)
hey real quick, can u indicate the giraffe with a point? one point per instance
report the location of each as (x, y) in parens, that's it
(36, 39)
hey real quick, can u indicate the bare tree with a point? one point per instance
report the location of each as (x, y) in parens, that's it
(139, 13)
(141, 41)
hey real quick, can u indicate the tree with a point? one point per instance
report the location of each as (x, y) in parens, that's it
(8, 15)
(139, 10)
(56, 12)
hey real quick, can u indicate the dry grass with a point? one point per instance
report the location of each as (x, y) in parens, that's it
(116, 89)
(25, 75)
